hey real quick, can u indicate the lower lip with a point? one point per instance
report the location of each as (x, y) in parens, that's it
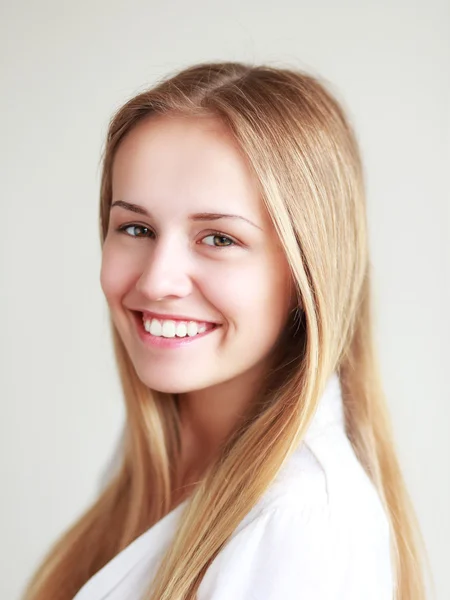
(163, 342)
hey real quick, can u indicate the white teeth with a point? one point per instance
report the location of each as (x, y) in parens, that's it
(168, 329)
(155, 327)
(181, 330)
(192, 328)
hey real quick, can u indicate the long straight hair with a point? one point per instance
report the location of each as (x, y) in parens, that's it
(299, 143)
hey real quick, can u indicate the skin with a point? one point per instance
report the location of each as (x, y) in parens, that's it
(174, 167)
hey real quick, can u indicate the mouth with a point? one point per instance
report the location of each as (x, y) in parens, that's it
(169, 333)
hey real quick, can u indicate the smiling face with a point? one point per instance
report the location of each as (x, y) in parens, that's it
(230, 271)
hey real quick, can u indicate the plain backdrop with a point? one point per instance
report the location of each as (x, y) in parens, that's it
(65, 68)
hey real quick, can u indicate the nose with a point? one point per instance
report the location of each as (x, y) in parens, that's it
(167, 272)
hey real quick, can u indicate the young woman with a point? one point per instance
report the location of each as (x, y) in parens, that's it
(258, 459)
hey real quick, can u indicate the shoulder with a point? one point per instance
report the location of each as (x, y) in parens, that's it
(320, 532)
(324, 476)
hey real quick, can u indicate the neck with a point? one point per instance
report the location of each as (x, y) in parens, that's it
(209, 416)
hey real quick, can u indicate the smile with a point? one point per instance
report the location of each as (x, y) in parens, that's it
(169, 329)
(169, 333)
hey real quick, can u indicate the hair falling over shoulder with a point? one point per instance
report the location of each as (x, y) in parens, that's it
(304, 153)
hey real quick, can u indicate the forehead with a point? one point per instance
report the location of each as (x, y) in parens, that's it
(193, 162)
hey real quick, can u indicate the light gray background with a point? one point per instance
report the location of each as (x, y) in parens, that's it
(65, 67)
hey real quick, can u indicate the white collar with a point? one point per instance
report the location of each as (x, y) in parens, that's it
(330, 408)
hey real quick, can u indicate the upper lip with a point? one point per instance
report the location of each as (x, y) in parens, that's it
(154, 315)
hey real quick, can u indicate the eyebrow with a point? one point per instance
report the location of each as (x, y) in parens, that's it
(204, 216)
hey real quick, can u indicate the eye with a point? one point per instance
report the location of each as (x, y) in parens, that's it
(123, 229)
(224, 240)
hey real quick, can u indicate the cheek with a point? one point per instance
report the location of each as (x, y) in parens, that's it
(115, 274)
(252, 296)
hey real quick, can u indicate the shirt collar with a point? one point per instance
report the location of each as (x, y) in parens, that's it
(330, 408)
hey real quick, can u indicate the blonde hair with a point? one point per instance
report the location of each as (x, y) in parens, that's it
(303, 151)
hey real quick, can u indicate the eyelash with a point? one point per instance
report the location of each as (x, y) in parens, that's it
(122, 229)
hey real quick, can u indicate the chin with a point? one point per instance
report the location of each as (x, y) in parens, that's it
(173, 385)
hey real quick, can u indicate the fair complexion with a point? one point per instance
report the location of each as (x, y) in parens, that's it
(227, 270)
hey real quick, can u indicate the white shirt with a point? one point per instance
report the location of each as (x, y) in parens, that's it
(318, 533)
